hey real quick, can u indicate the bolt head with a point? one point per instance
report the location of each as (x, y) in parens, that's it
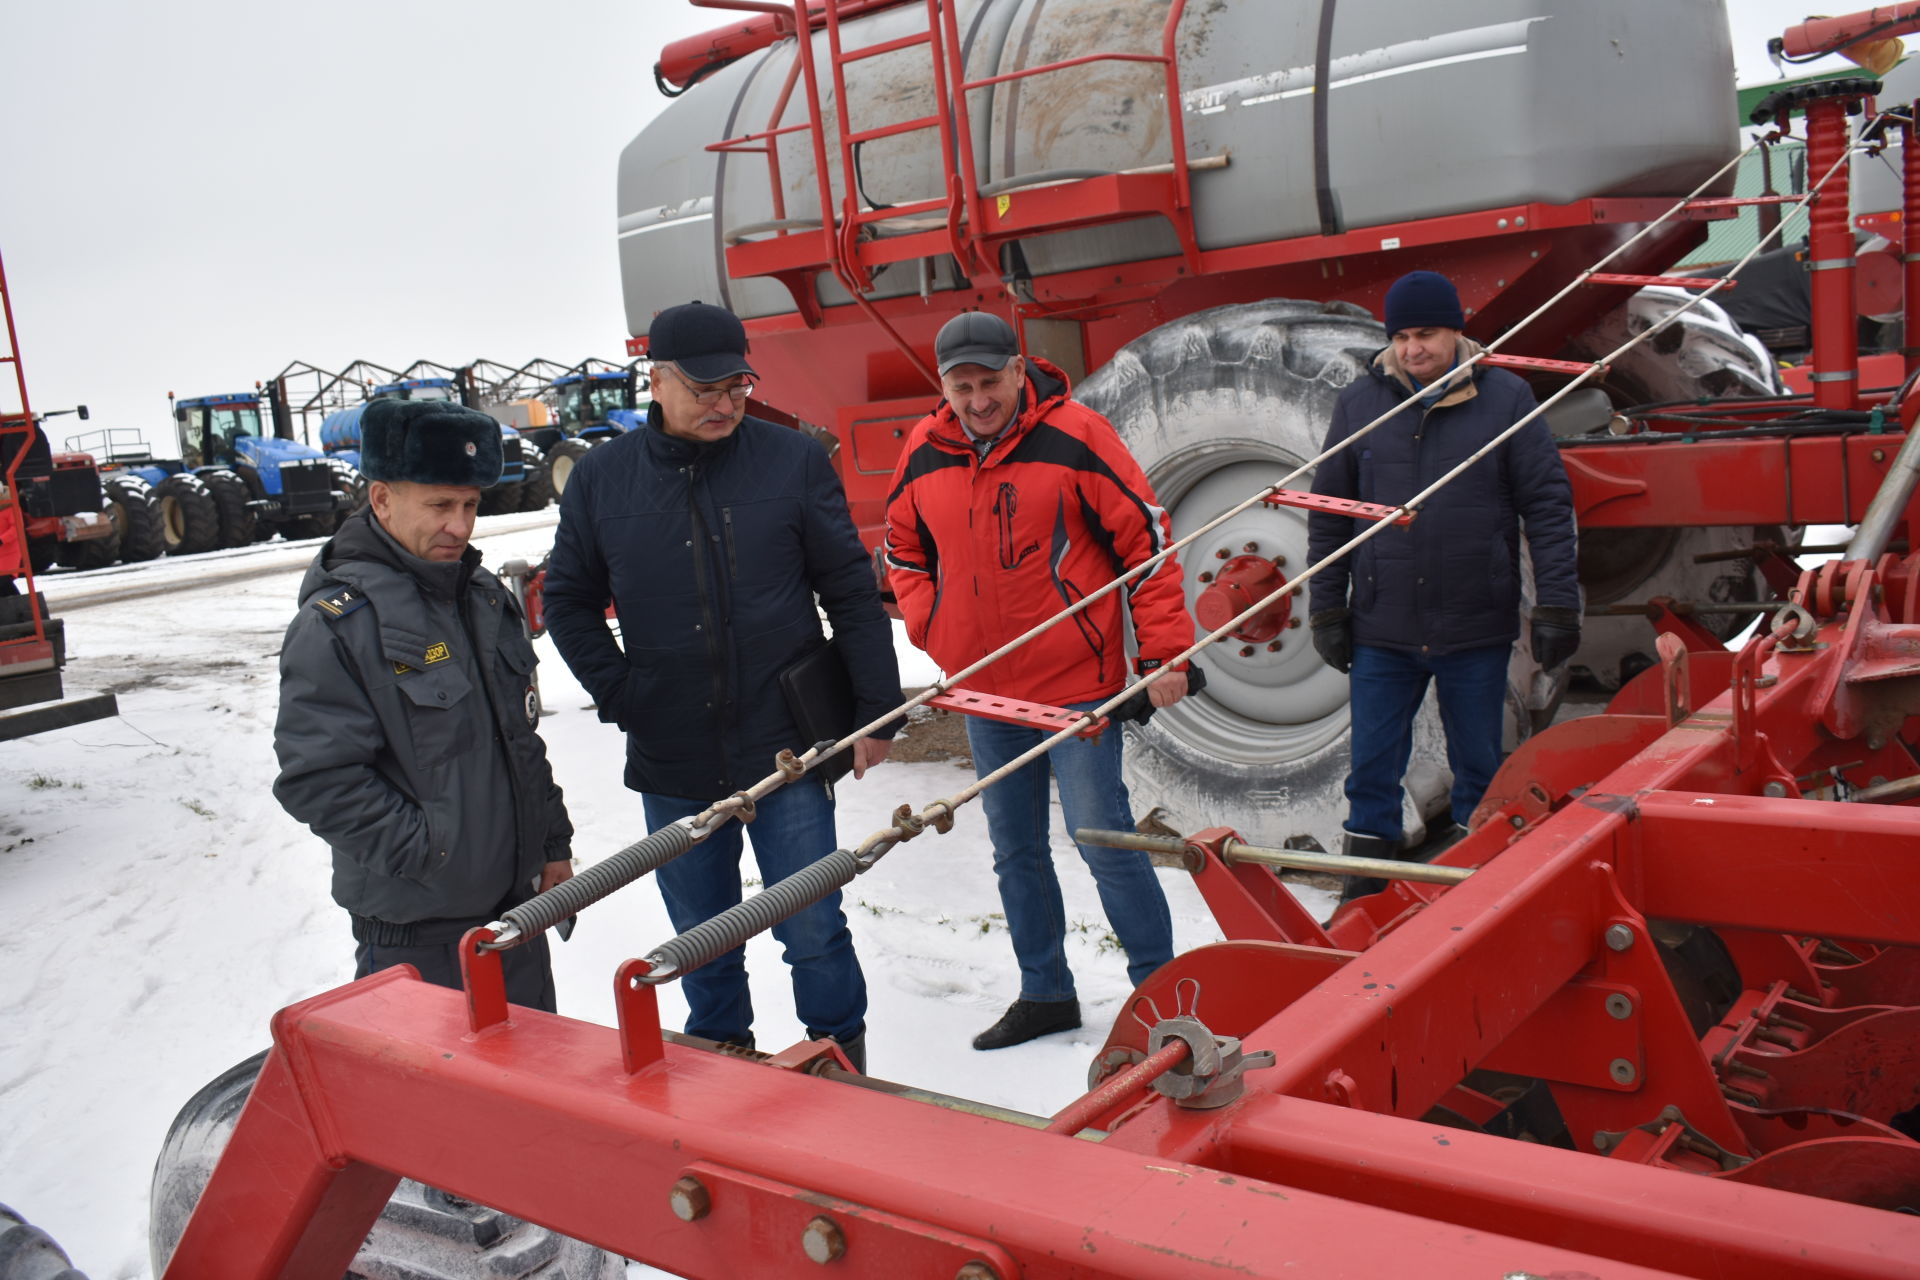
(1622, 1071)
(1516, 822)
(1774, 789)
(1619, 936)
(1618, 1006)
(690, 1200)
(823, 1241)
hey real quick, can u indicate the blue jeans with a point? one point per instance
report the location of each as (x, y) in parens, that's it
(794, 828)
(1385, 688)
(1092, 794)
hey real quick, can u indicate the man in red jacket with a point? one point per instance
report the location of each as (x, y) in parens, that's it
(1010, 503)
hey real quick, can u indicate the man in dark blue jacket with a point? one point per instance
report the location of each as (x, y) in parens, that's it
(714, 534)
(1437, 600)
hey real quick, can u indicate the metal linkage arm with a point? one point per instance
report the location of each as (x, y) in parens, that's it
(1338, 506)
(1170, 851)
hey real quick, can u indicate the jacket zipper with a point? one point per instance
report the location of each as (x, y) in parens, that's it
(482, 663)
(715, 662)
(726, 534)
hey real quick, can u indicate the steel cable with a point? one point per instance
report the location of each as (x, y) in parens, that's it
(765, 906)
(541, 913)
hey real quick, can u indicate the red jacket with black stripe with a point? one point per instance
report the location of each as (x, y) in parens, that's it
(980, 550)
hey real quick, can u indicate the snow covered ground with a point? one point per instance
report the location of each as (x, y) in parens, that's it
(160, 907)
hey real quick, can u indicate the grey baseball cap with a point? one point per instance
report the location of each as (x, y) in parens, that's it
(975, 337)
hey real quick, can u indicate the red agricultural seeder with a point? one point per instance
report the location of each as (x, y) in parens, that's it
(1657, 1014)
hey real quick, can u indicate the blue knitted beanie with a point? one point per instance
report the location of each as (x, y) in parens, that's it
(1423, 299)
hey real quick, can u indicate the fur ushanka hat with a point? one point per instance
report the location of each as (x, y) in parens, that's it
(429, 442)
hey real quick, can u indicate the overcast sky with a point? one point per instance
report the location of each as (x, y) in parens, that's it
(194, 195)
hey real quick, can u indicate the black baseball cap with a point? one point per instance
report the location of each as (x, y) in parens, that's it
(975, 337)
(707, 343)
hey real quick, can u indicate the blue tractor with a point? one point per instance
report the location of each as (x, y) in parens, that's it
(587, 407)
(523, 482)
(234, 484)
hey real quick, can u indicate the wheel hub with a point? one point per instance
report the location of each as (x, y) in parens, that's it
(1239, 584)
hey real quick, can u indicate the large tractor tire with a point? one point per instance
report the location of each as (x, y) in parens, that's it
(1215, 407)
(423, 1231)
(1701, 355)
(500, 498)
(536, 491)
(94, 553)
(43, 554)
(136, 518)
(189, 518)
(230, 498)
(28, 1253)
(560, 463)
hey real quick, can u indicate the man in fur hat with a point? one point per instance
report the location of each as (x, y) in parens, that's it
(406, 733)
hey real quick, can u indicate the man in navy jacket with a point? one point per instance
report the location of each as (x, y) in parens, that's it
(1438, 599)
(714, 534)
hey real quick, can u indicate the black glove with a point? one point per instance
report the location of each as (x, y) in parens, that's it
(1333, 638)
(1139, 708)
(1556, 634)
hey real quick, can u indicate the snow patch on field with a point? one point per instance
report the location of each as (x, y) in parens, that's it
(160, 906)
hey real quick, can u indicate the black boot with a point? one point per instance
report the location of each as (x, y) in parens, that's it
(856, 1051)
(1026, 1019)
(1356, 844)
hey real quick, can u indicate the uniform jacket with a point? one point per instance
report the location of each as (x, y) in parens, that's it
(406, 732)
(980, 550)
(1451, 579)
(713, 556)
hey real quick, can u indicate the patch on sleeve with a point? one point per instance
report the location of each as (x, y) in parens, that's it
(438, 653)
(340, 603)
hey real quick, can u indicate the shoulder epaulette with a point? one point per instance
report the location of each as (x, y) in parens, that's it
(340, 603)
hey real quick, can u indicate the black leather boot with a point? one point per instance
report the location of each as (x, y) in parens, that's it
(1357, 844)
(1025, 1020)
(856, 1051)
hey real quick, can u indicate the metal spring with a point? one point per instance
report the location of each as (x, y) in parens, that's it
(732, 927)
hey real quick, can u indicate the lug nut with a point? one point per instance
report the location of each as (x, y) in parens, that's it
(1619, 937)
(1293, 624)
(1221, 554)
(1273, 646)
(823, 1241)
(1279, 562)
(690, 1200)
(1206, 575)
(1619, 1007)
(1250, 547)
(1246, 651)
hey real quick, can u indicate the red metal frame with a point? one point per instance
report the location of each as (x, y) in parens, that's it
(1543, 962)
(33, 652)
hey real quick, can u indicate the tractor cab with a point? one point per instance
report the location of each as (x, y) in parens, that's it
(417, 389)
(211, 428)
(597, 404)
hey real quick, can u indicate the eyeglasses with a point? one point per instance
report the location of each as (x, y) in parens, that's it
(736, 391)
